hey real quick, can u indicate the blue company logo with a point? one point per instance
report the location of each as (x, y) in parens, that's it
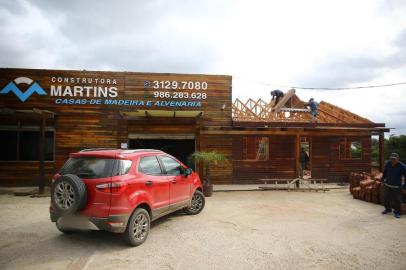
(23, 96)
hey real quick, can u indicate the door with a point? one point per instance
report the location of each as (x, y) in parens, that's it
(179, 182)
(305, 145)
(155, 183)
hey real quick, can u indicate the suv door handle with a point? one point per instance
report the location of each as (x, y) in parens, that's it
(173, 181)
(149, 183)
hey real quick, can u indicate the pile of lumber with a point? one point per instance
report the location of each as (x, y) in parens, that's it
(368, 187)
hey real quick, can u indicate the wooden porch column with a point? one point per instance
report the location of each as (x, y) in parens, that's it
(381, 151)
(297, 155)
(41, 181)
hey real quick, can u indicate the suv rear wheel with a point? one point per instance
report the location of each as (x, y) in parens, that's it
(197, 205)
(138, 227)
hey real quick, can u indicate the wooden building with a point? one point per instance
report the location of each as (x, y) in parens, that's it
(178, 113)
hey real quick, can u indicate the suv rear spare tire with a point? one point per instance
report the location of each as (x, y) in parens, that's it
(68, 194)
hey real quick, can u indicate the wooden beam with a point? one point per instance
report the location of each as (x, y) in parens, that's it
(288, 132)
(41, 180)
(342, 114)
(297, 155)
(305, 124)
(330, 114)
(381, 151)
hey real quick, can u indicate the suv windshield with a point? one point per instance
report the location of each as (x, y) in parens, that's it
(89, 167)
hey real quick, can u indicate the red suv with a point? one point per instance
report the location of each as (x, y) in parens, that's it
(122, 191)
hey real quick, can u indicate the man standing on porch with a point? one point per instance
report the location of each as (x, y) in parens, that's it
(304, 158)
(392, 178)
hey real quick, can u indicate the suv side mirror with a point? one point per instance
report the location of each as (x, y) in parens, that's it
(188, 171)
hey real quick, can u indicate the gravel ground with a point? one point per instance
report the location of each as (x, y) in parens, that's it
(236, 230)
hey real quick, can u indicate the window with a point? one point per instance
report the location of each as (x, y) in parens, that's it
(88, 168)
(8, 145)
(355, 150)
(255, 148)
(172, 167)
(125, 166)
(29, 145)
(150, 165)
(23, 145)
(350, 150)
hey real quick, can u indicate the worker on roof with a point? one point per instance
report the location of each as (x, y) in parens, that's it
(277, 95)
(313, 105)
(392, 179)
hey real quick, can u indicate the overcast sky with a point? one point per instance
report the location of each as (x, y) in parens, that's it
(335, 43)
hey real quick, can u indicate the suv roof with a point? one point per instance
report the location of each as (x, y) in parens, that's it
(112, 152)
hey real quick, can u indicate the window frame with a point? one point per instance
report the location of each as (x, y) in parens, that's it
(19, 129)
(118, 166)
(174, 159)
(109, 169)
(347, 143)
(259, 142)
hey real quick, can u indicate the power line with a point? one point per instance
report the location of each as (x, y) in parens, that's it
(324, 88)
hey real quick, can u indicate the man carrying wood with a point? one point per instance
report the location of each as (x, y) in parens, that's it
(392, 178)
(277, 95)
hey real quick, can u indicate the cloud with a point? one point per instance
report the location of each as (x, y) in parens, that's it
(121, 35)
(312, 43)
(356, 68)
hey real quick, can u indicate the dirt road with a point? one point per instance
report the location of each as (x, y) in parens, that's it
(237, 230)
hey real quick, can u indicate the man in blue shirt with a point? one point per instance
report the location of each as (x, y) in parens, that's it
(278, 94)
(313, 107)
(392, 178)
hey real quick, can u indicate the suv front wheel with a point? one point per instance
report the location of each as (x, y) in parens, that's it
(137, 227)
(197, 204)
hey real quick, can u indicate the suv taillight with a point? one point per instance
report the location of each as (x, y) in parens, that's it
(115, 187)
(56, 176)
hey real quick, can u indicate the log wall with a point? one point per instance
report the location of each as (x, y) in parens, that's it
(281, 162)
(327, 163)
(79, 126)
(325, 159)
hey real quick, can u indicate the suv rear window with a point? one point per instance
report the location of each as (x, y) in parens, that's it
(89, 168)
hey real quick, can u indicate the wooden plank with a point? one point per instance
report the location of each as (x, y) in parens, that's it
(283, 100)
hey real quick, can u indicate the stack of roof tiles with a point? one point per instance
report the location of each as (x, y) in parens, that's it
(368, 187)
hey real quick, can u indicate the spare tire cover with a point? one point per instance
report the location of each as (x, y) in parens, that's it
(68, 194)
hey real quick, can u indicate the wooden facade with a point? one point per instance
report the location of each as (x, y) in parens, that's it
(114, 109)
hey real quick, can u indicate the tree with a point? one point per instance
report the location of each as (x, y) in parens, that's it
(207, 158)
(396, 144)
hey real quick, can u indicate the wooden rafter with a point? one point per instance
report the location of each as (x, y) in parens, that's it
(261, 111)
